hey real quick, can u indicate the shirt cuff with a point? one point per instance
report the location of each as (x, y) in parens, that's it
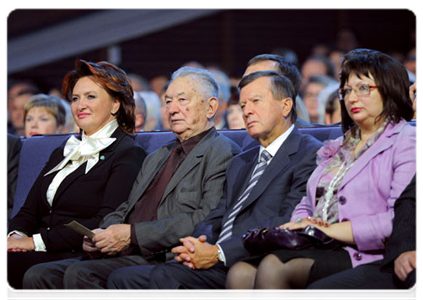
(39, 243)
(222, 257)
(17, 232)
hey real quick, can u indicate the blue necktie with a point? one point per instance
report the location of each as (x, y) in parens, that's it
(260, 167)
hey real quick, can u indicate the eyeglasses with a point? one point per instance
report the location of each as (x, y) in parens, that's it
(361, 90)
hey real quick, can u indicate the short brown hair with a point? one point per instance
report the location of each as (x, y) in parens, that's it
(113, 80)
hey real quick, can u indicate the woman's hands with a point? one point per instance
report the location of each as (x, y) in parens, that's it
(19, 243)
(304, 222)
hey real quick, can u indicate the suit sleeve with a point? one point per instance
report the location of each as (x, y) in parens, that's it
(122, 175)
(403, 236)
(161, 235)
(26, 220)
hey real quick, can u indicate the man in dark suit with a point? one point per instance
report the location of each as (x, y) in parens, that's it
(398, 268)
(264, 184)
(176, 188)
(14, 146)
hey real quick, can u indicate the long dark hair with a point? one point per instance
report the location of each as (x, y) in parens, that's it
(113, 80)
(390, 77)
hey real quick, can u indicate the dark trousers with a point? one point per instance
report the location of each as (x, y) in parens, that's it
(368, 276)
(170, 280)
(74, 278)
(19, 262)
(173, 275)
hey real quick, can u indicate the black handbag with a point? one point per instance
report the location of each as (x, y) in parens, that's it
(262, 240)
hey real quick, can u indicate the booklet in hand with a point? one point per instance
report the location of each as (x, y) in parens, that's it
(77, 227)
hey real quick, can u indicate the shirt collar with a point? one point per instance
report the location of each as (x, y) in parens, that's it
(277, 143)
(190, 143)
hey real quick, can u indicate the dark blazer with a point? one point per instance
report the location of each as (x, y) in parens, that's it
(272, 200)
(192, 192)
(14, 146)
(86, 198)
(403, 237)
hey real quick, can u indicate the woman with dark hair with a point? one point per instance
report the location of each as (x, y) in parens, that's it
(352, 192)
(86, 178)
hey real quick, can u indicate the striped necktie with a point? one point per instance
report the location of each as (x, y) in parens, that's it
(259, 170)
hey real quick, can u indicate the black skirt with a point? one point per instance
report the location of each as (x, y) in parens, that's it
(326, 262)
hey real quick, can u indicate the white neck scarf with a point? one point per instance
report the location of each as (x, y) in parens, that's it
(87, 149)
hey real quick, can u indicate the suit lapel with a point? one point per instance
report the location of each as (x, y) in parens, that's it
(278, 165)
(150, 171)
(193, 159)
(383, 142)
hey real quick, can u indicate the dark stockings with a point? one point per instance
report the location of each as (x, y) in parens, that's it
(270, 274)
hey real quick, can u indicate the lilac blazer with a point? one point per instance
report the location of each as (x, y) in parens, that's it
(369, 189)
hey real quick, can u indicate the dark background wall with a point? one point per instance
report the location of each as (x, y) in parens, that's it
(226, 38)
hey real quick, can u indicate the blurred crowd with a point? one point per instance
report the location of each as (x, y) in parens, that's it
(32, 111)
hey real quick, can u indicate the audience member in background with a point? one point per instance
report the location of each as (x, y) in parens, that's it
(271, 62)
(234, 111)
(347, 39)
(224, 94)
(335, 56)
(158, 83)
(317, 65)
(322, 100)
(44, 114)
(413, 97)
(398, 267)
(352, 192)
(287, 54)
(70, 125)
(263, 186)
(18, 96)
(153, 116)
(14, 146)
(176, 188)
(83, 180)
(412, 63)
(163, 114)
(333, 109)
(309, 93)
(140, 112)
(138, 83)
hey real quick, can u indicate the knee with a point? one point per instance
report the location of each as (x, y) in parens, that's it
(74, 273)
(270, 265)
(241, 276)
(36, 277)
(117, 279)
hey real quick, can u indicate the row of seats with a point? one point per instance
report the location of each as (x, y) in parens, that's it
(36, 151)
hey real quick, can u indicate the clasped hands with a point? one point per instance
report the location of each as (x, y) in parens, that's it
(111, 241)
(19, 243)
(196, 253)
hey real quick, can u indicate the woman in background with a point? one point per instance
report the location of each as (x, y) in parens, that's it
(86, 178)
(44, 114)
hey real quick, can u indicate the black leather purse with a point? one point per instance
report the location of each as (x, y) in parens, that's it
(262, 240)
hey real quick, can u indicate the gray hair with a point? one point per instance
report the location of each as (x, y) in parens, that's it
(209, 86)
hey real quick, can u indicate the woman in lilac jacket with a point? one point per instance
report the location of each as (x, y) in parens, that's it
(351, 193)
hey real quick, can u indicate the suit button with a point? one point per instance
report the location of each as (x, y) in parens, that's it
(342, 200)
(50, 211)
(357, 256)
(48, 228)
